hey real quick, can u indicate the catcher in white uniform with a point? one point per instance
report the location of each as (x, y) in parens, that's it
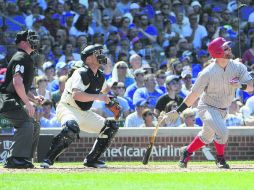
(82, 88)
(216, 86)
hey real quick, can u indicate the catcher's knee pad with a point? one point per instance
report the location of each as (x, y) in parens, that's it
(63, 139)
(109, 130)
(104, 140)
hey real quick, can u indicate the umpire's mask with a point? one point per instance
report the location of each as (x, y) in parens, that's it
(29, 36)
(96, 50)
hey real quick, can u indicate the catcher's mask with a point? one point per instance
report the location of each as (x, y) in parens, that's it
(96, 50)
(29, 36)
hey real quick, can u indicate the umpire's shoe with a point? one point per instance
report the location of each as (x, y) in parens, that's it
(95, 163)
(18, 163)
(221, 162)
(46, 163)
(184, 157)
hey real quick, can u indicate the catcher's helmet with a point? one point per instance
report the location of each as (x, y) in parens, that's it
(96, 50)
(29, 36)
(215, 47)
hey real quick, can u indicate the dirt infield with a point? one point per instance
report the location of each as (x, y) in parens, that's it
(151, 168)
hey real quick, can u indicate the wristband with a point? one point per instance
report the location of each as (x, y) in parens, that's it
(182, 107)
(243, 86)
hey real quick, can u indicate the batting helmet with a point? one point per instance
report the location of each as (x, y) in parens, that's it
(215, 47)
(96, 50)
(29, 36)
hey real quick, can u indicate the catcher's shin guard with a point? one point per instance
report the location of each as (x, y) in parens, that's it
(61, 142)
(103, 141)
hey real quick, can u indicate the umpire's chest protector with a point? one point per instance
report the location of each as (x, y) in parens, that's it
(94, 82)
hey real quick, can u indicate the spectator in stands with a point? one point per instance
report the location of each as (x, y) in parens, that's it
(123, 6)
(234, 117)
(146, 29)
(135, 119)
(55, 96)
(61, 70)
(124, 27)
(186, 77)
(139, 82)
(82, 26)
(160, 78)
(49, 70)
(124, 48)
(188, 117)
(48, 22)
(180, 27)
(166, 36)
(198, 32)
(81, 43)
(94, 11)
(16, 20)
(135, 62)
(177, 67)
(61, 37)
(248, 55)
(171, 105)
(121, 73)
(106, 27)
(69, 54)
(41, 87)
(98, 38)
(148, 117)
(56, 53)
(107, 69)
(35, 13)
(111, 10)
(148, 92)
(172, 85)
(48, 119)
(37, 27)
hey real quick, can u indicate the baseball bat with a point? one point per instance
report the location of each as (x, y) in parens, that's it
(150, 146)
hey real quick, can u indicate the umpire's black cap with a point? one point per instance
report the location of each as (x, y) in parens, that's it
(21, 36)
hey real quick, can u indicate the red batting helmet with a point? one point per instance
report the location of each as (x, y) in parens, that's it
(215, 47)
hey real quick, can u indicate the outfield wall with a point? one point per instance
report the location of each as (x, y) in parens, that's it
(130, 144)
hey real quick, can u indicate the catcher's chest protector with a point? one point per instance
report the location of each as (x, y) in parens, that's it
(95, 83)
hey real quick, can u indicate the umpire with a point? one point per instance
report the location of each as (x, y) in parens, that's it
(15, 102)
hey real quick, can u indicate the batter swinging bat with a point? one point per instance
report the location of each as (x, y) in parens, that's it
(150, 146)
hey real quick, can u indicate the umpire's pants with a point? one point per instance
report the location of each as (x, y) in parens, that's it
(26, 135)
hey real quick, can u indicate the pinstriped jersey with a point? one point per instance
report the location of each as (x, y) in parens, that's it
(213, 83)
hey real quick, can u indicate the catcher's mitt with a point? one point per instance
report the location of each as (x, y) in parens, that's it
(114, 107)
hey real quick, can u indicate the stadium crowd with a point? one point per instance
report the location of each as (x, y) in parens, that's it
(155, 50)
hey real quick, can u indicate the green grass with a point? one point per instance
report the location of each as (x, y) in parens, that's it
(104, 180)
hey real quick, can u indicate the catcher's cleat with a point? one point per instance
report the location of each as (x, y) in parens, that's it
(95, 164)
(18, 163)
(46, 163)
(184, 157)
(221, 162)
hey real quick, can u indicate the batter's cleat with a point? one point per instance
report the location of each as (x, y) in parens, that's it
(95, 164)
(184, 157)
(18, 163)
(221, 162)
(46, 163)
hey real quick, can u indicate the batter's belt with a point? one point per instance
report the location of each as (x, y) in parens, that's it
(224, 109)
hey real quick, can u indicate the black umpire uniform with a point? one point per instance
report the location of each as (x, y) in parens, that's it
(12, 108)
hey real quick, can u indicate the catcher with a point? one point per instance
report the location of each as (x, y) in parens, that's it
(85, 85)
